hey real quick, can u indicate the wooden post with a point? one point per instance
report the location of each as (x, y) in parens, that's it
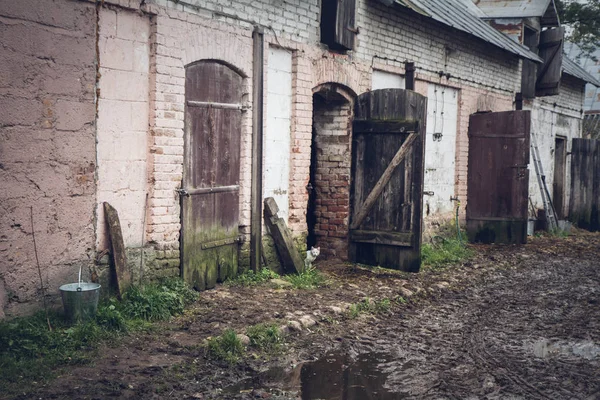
(257, 148)
(282, 237)
(409, 69)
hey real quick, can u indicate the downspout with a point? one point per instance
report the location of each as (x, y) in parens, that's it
(257, 148)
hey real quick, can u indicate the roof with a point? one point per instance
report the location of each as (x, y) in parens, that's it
(463, 16)
(571, 68)
(544, 9)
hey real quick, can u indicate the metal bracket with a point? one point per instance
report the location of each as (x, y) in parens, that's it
(437, 137)
(182, 192)
(428, 193)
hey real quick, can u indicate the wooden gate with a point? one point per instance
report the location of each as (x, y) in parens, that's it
(387, 179)
(584, 206)
(209, 196)
(498, 178)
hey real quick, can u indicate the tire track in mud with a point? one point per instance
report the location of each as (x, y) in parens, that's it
(504, 324)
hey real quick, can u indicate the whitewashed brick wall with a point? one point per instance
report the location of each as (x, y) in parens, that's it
(183, 32)
(554, 116)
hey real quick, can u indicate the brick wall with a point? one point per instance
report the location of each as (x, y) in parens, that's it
(47, 146)
(332, 179)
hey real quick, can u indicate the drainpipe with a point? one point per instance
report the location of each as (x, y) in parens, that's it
(257, 148)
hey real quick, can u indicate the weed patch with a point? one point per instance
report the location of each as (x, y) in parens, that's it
(444, 251)
(369, 306)
(226, 347)
(264, 336)
(251, 278)
(30, 352)
(311, 278)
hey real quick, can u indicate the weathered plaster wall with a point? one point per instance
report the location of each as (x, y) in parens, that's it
(554, 116)
(47, 146)
(123, 106)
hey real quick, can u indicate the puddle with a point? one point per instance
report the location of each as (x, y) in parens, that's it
(544, 349)
(335, 376)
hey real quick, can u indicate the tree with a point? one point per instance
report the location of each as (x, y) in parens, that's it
(583, 19)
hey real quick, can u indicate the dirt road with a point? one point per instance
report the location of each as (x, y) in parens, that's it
(516, 322)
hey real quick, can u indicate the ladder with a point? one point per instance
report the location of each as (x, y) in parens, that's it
(541, 178)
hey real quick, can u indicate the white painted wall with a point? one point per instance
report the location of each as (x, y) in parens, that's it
(277, 140)
(440, 153)
(386, 80)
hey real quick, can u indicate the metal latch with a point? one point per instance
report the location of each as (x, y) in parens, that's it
(182, 192)
(428, 193)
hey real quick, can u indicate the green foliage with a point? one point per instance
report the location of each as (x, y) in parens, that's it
(311, 278)
(584, 20)
(29, 351)
(156, 302)
(369, 306)
(251, 278)
(264, 336)
(226, 347)
(444, 251)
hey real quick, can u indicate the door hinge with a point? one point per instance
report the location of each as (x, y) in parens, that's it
(182, 192)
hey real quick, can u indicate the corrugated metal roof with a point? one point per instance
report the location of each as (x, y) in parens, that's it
(571, 68)
(513, 8)
(460, 14)
(544, 9)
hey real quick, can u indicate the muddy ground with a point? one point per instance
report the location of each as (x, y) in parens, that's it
(516, 322)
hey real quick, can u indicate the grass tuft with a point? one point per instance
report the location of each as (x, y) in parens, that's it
(369, 306)
(444, 251)
(251, 278)
(311, 278)
(264, 336)
(226, 347)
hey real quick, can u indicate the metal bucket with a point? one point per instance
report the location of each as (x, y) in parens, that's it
(80, 300)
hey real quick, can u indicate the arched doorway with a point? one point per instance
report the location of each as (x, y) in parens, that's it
(329, 183)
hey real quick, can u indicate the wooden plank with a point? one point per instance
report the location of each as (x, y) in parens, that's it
(383, 180)
(389, 238)
(117, 249)
(399, 127)
(409, 79)
(550, 50)
(257, 148)
(290, 259)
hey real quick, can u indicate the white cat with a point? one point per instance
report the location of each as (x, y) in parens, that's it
(311, 255)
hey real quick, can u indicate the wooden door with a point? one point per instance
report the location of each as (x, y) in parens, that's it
(211, 172)
(388, 147)
(559, 181)
(498, 178)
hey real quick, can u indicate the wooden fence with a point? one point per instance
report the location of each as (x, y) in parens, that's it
(584, 206)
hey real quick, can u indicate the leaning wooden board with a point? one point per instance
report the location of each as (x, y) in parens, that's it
(117, 249)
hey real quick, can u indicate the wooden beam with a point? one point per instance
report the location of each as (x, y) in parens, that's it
(409, 79)
(290, 258)
(257, 148)
(383, 180)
